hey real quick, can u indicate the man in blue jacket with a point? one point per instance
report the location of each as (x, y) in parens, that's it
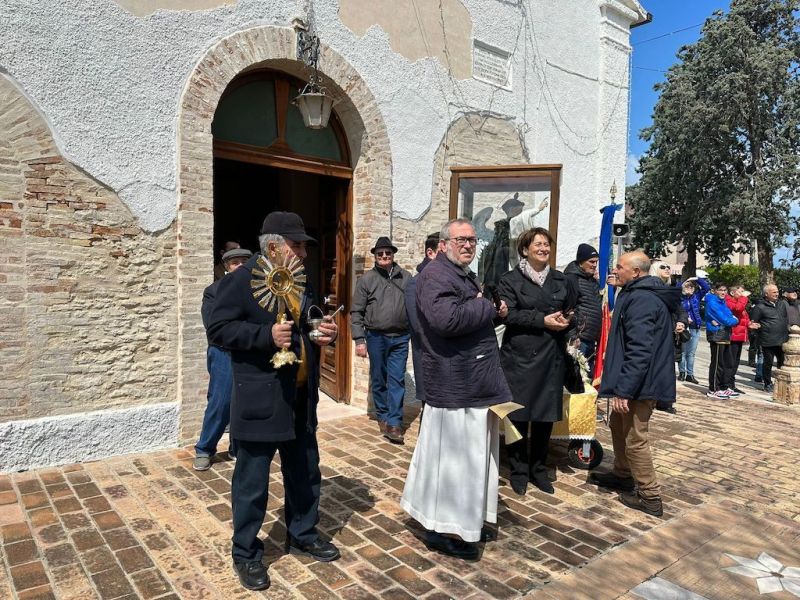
(639, 371)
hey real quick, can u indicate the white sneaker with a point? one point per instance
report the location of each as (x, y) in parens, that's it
(731, 393)
(717, 395)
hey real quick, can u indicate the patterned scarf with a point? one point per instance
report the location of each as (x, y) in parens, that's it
(537, 277)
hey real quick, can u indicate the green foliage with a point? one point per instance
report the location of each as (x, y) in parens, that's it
(723, 166)
(748, 276)
(735, 275)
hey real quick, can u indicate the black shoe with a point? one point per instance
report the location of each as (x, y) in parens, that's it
(651, 506)
(667, 408)
(542, 482)
(252, 575)
(758, 379)
(450, 546)
(681, 376)
(488, 535)
(769, 388)
(612, 482)
(691, 379)
(737, 390)
(520, 486)
(319, 550)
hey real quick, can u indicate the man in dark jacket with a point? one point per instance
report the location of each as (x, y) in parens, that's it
(588, 319)
(431, 248)
(272, 409)
(639, 371)
(792, 306)
(452, 481)
(380, 328)
(220, 376)
(769, 318)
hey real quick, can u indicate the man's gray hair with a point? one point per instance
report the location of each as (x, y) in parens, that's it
(768, 286)
(445, 233)
(639, 259)
(266, 238)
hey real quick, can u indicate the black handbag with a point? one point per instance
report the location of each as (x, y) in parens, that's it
(720, 336)
(573, 379)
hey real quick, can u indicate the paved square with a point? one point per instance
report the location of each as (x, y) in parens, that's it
(148, 526)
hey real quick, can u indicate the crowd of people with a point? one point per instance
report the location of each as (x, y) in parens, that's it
(464, 374)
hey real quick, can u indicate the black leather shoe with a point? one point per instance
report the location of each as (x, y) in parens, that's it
(651, 506)
(613, 482)
(520, 486)
(319, 550)
(252, 575)
(543, 482)
(691, 379)
(487, 534)
(450, 546)
(681, 376)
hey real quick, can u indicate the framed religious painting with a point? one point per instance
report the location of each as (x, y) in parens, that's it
(503, 202)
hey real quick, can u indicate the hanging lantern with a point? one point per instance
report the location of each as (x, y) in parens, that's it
(313, 101)
(315, 106)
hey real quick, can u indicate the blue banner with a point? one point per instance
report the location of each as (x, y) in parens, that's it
(606, 248)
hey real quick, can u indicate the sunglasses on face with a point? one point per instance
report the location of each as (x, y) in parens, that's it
(665, 267)
(384, 253)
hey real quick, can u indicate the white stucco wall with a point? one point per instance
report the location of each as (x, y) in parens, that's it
(110, 84)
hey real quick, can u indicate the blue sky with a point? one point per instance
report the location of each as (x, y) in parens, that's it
(651, 57)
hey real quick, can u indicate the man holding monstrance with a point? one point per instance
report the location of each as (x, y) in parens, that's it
(260, 316)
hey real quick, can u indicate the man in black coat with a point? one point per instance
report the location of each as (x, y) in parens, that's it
(769, 318)
(588, 320)
(431, 249)
(272, 409)
(220, 376)
(639, 371)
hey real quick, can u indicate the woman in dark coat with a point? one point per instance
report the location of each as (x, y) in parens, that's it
(540, 302)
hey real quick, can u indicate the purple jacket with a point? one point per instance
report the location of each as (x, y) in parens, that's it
(460, 358)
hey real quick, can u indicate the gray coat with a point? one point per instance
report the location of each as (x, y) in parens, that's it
(379, 302)
(460, 358)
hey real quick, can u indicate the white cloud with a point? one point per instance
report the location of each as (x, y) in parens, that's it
(631, 176)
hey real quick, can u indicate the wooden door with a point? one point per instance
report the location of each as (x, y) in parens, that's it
(334, 257)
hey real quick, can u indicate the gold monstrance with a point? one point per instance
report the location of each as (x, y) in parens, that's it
(276, 285)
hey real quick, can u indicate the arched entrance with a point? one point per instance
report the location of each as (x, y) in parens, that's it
(371, 187)
(265, 159)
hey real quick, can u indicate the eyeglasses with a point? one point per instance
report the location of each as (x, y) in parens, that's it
(463, 241)
(664, 267)
(384, 253)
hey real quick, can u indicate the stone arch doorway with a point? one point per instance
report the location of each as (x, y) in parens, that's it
(370, 189)
(265, 159)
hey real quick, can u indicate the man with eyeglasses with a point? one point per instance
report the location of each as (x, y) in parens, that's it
(379, 325)
(451, 488)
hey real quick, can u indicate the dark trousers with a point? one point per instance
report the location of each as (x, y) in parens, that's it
(735, 357)
(525, 464)
(771, 352)
(719, 371)
(301, 482)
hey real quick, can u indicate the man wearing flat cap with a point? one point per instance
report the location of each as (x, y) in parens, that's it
(380, 329)
(272, 409)
(220, 376)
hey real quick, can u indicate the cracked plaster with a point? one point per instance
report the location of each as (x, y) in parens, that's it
(110, 83)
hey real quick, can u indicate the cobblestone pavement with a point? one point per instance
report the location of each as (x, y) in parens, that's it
(148, 526)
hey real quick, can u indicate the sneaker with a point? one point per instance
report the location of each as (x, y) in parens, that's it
(681, 376)
(720, 395)
(650, 506)
(201, 463)
(733, 393)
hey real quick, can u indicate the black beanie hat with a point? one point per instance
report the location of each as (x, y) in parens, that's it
(585, 252)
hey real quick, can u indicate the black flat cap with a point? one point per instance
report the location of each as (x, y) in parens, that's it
(288, 225)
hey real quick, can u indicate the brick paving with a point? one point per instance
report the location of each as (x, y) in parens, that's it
(148, 526)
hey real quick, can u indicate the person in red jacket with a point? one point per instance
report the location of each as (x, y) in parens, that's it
(736, 300)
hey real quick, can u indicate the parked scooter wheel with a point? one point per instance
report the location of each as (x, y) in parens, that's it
(580, 459)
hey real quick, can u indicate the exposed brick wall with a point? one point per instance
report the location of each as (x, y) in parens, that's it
(87, 315)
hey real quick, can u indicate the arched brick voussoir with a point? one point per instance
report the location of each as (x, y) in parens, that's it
(357, 109)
